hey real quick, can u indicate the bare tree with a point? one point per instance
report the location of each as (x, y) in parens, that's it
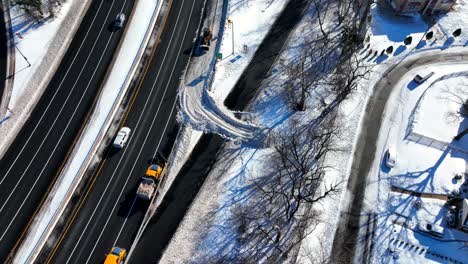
(299, 165)
(347, 76)
(306, 71)
(344, 8)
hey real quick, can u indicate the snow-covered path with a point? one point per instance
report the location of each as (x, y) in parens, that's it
(203, 112)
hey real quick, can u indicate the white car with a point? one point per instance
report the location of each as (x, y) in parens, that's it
(119, 21)
(390, 157)
(122, 137)
(422, 77)
(432, 229)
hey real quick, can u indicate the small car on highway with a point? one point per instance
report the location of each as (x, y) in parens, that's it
(422, 77)
(116, 256)
(431, 229)
(119, 21)
(122, 137)
(389, 157)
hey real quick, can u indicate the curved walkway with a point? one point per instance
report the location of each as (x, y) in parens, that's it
(202, 111)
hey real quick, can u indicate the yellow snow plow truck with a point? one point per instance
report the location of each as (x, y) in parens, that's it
(149, 182)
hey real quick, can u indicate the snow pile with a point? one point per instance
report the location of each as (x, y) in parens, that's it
(203, 113)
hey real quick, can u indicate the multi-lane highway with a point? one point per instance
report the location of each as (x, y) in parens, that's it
(110, 214)
(34, 159)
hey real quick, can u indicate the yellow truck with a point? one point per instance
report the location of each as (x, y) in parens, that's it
(149, 182)
(116, 256)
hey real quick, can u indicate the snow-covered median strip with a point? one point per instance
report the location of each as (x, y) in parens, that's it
(136, 36)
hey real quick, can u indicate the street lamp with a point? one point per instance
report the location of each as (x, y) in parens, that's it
(231, 23)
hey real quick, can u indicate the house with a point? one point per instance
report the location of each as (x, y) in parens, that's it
(424, 6)
(463, 216)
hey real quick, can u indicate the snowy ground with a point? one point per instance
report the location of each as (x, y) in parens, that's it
(39, 47)
(227, 184)
(32, 41)
(131, 49)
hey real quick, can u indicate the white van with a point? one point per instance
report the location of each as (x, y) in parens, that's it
(122, 137)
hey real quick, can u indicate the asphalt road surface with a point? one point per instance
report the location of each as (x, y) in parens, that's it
(111, 214)
(346, 238)
(31, 164)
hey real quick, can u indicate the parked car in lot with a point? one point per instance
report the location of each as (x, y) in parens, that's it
(431, 229)
(422, 77)
(122, 137)
(390, 157)
(116, 256)
(119, 21)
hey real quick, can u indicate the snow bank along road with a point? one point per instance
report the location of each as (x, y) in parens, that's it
(110, 214)
(34, 159)
(346, 237)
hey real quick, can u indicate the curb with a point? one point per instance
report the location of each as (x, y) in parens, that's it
(9, 78)
(102, 133)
